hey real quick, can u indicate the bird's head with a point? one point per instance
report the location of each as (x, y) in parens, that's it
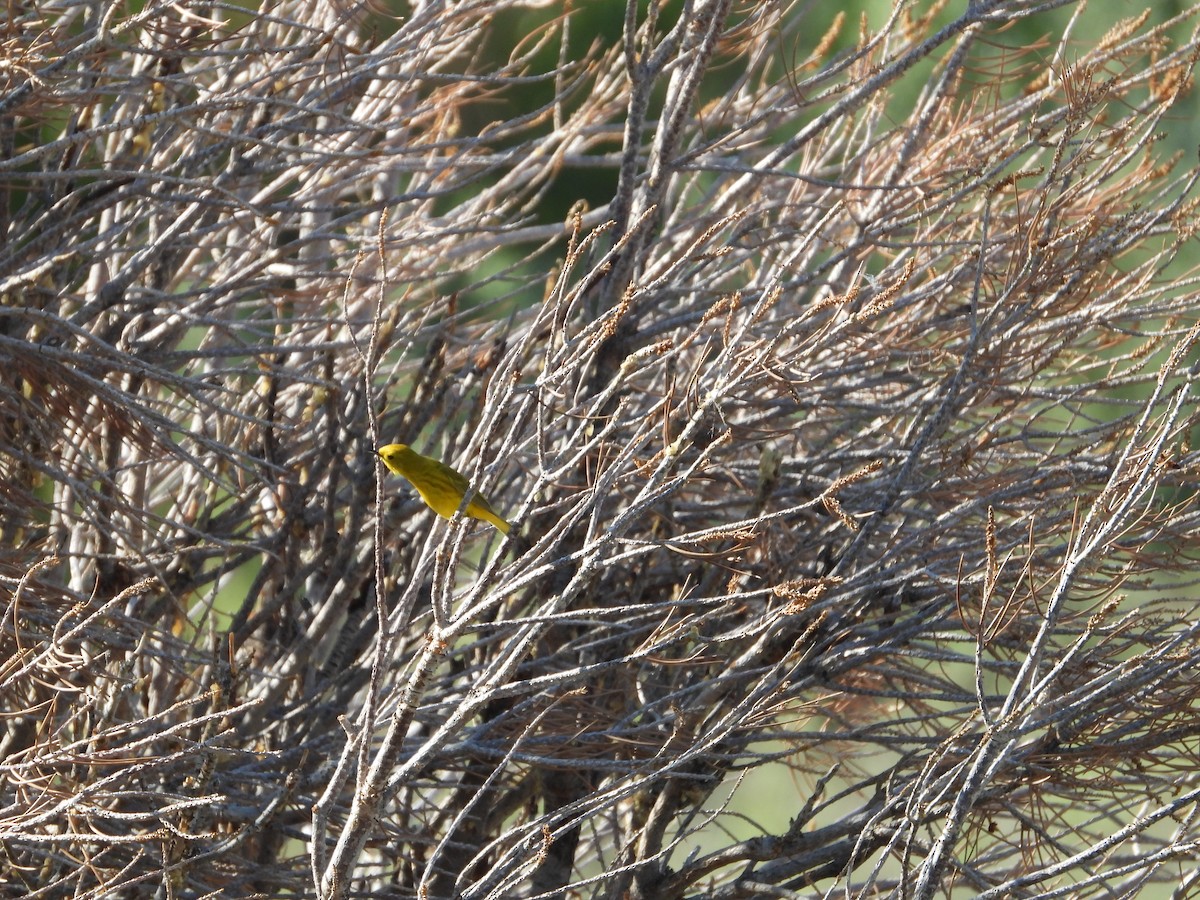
(395, 455)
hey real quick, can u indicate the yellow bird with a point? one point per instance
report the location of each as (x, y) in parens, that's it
(440, 486)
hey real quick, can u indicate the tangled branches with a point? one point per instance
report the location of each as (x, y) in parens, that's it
(844, 423)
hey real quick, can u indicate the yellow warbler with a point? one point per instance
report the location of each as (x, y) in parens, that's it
(440, 486)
